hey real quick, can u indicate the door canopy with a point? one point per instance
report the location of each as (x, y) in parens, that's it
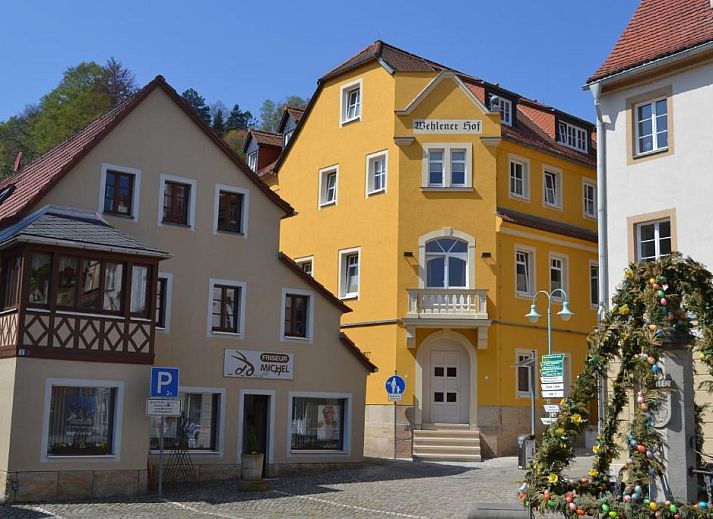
(657, 300)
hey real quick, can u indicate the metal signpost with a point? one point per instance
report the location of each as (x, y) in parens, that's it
(552, 383)
(163, 401)
(395, 387)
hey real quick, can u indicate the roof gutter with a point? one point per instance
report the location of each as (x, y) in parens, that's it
(39, 240)
(650, 65)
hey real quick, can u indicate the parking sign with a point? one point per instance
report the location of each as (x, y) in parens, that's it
(164, 382)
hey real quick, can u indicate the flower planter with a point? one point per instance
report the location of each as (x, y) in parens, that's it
(251, 467)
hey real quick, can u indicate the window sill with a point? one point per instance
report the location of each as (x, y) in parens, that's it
(225, 334)
(318, 452)
(650, 153)
(348, 297)
(376, 192)
(301, 340)
(552, 206)
(327, 204)
(176, 224)
(198, 452)
(349, 121)
(79, 457)
(521, 198)
(162, 330)
(88, 314)
(119, 215)
(230, 233)
(446, 188)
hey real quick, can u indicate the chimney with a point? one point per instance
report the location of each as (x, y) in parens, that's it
(18, 159)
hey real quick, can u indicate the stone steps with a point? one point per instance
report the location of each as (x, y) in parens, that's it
(446, 442)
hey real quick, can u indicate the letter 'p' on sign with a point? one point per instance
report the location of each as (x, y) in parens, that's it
(164, 382)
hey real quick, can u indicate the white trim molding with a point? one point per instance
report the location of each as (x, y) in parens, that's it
(244, 217)
(564, 258)
(306, 259)
(525, 163)
(370, 159)
(241, 310)
(588, 182)
(323, 173)
(528, 353)
(118, 419)
(532, 270)
(346, 450)
(423, 94)
(192, 195)
(341, 281)
(559, 187)
(168, 297)
(309, 332)
(344, 91)
(135, 196)
(447, 148)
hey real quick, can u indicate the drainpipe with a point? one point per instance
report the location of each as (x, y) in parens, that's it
(595, 89)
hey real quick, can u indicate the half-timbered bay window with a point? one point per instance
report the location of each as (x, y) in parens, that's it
(81, 421)
(10, 281)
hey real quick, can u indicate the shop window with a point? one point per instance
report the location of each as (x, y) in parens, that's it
(81, 421)
(10, 281)
(196, 429)
(40, 269)
(318, 424)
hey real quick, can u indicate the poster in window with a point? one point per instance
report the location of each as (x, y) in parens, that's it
(328, 424)
(79, 410)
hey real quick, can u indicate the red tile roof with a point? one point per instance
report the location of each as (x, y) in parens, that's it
(658, 29)
(265, 138)
(284, 258)
(266, 170)
(359, 354)
(34, 180)
(295, 113)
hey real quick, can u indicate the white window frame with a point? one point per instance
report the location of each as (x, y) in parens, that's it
(532, 271)
(591, 293)
(370, 176)
(657, 237)
(244, 217)
(115, 456)
(346, 450)
(308, 339)
(323, 174)
(169, 294)
(559, 187)
(654, 127)
(525, 164)
(564, 270)
(533, 373)
(135, 200)
(192, 192)
(286, 137)
(589, 184)
(220, 444)
(306, 259)
(241, 314)
(344, 92)
(504, 106)
(251, 159)
(572, 135)
(447, 148)
(341, 282)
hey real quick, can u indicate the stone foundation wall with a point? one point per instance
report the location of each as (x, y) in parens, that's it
(379, 431)
(70, 485)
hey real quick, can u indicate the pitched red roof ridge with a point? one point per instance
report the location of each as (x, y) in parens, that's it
(656, 30)
(373, 368)
(42, 174)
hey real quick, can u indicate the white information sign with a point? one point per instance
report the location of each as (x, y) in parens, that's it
(552, 408)
(259, 364)
(552, 380)
(163, 407)
(451, 126)
(552, 394)
(552, 387)
(395, 397)
(548, 421)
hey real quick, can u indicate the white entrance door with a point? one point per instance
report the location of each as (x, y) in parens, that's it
(445, 386)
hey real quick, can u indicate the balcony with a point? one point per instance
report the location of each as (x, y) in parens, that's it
(447, 308)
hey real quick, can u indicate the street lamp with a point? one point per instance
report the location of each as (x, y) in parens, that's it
(564, 314)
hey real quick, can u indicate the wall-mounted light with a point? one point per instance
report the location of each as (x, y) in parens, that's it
(408, 254)
(485, 255)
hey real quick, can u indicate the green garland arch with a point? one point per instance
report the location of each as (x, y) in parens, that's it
(672, 296)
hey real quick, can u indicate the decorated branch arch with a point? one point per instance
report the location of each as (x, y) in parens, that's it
(658, 300)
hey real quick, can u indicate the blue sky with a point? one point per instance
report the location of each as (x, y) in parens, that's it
(245, 51)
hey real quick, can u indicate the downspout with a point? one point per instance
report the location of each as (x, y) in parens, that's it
(595, 89)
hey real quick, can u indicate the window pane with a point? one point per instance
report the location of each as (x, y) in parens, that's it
(10, 280)
(456, 272)
(594, 284)
(438, 371)
(351, 285)
(195, 429)
(451, 372)
(90, 284)
(124, 199)
(230, 211)
(647, 231)
(161, 295)
(139, 290)
(113, 282)
(81, 421)
(67, 281)
(435, 167)
(317, 423)
(661, 107)
(438, 396)
(523, 378)
(450, 397)
(435, 272)
(648, 250)
(40, 265)
(458, 167)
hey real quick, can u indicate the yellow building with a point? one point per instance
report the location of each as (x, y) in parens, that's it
(436, 205)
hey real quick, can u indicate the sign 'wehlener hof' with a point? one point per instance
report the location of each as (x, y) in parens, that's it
(452, 126)
(258, 364)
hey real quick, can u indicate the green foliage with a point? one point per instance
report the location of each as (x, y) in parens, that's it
(655, 302)
(236, 140)
(239, 120)
(271, 111)
(252, 445)
(197, 102)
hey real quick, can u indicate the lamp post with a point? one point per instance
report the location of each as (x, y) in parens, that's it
(564, 314)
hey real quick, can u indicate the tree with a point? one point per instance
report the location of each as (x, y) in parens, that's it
(218, 111)
(239, 120)
(236, 140)
(118, 82)
(197, 102)
(271, 111)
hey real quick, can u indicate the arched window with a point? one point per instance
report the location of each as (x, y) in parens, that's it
(446, 263)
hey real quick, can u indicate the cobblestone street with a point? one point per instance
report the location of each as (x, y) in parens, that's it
(378, 489)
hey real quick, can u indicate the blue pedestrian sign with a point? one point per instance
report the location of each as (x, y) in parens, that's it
(395, 387)
(164, 382)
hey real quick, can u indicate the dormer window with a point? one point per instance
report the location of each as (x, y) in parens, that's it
(286, 138)
(252, 160)
(572, 136)
(504, 106)
(351, 102)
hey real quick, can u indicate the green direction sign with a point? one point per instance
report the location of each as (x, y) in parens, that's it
(552, 365)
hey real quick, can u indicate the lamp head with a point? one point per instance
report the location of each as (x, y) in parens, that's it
(565, 314)
(533, 316)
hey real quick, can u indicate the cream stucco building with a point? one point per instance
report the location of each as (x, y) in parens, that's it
(143, 240)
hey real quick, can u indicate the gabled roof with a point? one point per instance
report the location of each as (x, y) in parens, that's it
(290, 112)
(33, 181)
(319, 287)
(359, 354)
(76, 229)
(659, 28)
(263, 139)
